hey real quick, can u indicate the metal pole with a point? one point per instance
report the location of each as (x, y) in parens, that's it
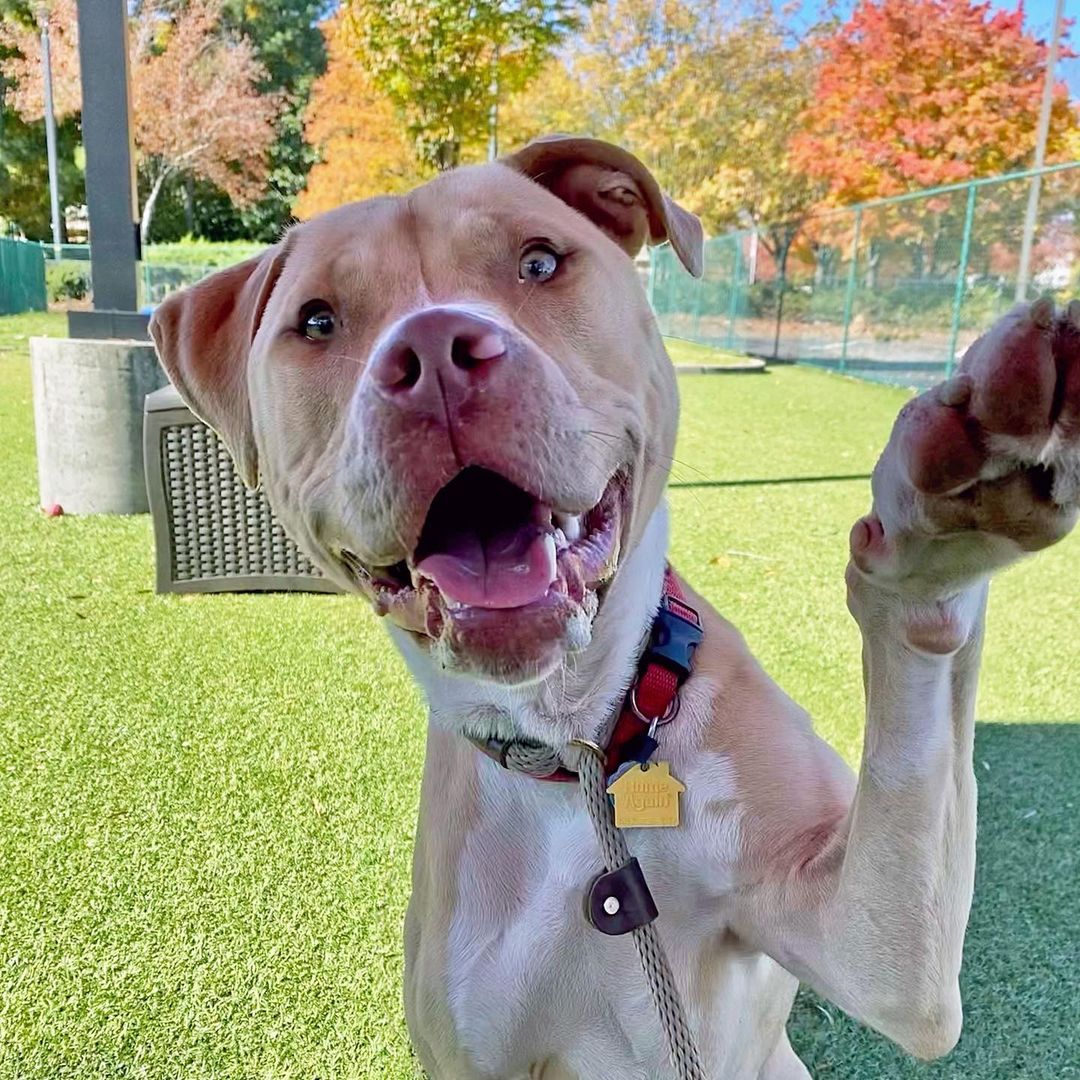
(1024, 272)
(50, 133)
(849, 294)
(111, 194)
(961, 281)
(733, 306)
(699, 284)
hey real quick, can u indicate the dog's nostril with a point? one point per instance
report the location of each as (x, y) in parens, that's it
(471, 352)
(461, 354)
(410, 370)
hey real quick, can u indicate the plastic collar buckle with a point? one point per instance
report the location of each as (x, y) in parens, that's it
(674, 639)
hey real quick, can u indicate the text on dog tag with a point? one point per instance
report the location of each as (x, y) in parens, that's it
(647, 798)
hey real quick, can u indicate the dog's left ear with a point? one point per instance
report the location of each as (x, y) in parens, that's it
(613, 190)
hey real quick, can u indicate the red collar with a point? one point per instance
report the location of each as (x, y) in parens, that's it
(665, 665)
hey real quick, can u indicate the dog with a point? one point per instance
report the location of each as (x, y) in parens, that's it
(459, 404)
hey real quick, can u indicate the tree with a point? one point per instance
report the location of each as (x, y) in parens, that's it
(709, 97)
(24, 177)
(363, 149)
(198, 109)
(444, 64)
(196, 104)
(288, 43)
(916, 93)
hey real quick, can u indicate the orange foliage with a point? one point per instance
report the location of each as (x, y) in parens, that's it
(915, 93)
(362, 146)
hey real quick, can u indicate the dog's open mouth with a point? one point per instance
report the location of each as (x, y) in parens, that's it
(488, 544)
(490, 552)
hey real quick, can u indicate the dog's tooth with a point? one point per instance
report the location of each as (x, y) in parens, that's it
(561, 543)
(1042, 312)
(552, 556)
(570, 525)
(1072, 313)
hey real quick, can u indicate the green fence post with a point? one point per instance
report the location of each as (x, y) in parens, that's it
(849, 295)
(733, 302)
(961, 282)
(699, 284)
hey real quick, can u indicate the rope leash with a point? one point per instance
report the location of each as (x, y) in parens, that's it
(540, 762)
(654, 961)
(619, 901)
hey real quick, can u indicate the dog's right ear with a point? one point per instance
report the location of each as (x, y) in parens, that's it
(203, 336)
(615, 191)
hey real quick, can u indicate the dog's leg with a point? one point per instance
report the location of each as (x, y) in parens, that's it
(977, 473)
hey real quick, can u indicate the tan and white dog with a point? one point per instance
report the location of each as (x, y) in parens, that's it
(459, 404)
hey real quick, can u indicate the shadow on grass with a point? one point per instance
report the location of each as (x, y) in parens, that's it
(1021, 977)
(768, 480)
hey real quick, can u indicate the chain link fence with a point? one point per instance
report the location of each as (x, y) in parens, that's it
(893, 290)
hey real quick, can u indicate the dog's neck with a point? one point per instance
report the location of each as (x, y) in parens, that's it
(579, 699)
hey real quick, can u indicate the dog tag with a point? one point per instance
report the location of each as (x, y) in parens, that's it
(646, 797)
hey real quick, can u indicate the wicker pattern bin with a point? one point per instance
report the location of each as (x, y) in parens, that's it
(211, 533)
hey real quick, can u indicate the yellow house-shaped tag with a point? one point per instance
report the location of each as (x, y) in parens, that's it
(647, 798)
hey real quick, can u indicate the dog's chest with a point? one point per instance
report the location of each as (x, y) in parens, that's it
(521, 973)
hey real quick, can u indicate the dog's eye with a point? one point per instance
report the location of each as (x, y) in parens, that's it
(538, 263)
(316, 320)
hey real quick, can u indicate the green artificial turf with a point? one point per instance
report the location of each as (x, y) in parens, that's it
(207, 802)
(692, 353)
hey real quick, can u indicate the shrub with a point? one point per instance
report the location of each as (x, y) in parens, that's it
(67, 281)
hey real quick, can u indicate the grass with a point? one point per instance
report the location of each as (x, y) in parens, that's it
(207, 803)
(683, 352)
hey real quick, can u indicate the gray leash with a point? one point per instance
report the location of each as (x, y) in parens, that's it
(542, 761)
(654, 961)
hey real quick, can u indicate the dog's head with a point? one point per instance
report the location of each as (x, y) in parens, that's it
(457, 400)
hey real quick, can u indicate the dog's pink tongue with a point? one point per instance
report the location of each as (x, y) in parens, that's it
(507, 570)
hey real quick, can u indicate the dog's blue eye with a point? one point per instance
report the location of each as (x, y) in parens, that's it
(317, 320)
(538, 264)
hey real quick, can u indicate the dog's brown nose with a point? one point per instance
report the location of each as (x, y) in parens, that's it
(435, 356)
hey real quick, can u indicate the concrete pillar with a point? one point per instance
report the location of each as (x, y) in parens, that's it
(88, 410)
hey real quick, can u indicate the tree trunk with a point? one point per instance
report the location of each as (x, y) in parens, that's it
(189, 204)
(447, 154)
(148, 207)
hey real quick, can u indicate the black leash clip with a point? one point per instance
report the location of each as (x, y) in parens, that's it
(619, 901)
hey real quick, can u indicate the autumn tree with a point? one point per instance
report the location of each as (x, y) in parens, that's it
(445, 64)
(916, 93)
(198, 109)
(362, 147)
(196, 104)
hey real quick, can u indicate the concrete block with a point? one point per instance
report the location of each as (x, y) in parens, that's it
(88, 412)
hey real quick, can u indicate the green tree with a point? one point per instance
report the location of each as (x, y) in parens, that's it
(444, 64)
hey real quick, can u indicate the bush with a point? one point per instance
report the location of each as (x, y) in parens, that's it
(67, 281)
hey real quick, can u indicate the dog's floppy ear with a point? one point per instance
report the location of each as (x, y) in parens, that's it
(203, 336)
(615, 191)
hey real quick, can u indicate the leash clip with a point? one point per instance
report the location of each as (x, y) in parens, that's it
(620, 902)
